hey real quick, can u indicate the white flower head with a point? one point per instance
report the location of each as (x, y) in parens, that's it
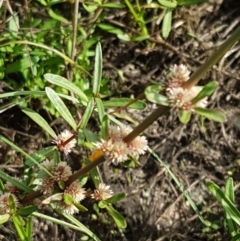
(77, 193)
(177, 76)
(103, 192)
(119, 151)
(62, 172)
(181, 98)
(48, 185)
(4, 203)
(65, 141)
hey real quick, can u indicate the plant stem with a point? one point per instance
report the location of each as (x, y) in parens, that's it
(213, 59)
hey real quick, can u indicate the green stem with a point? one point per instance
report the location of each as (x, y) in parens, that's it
(213, 59)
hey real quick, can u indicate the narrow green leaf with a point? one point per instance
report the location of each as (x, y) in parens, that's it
(57, 16)
(181, 188)
(61, 81)
(19, 228)
(87, 114)
(121, 102)
(207, 90)
(25, 154)
(140, 38)
(185, 117)
(41, 155)
(4, 218)
(104, 127)
(117, 217)
(29, 228)
(110, 28)
(229, 189)
(167, 23)
(113, 5)
(226, 203)
(100, 108)
(38, 93)
(214, 115)
(12, 205)
(80, 207)
(229, 192)
(97, 76)
(116, 198)
(189, 2)
(168, 4)
(26, 211)
(15, 182)
(40, 121)
(61, 107)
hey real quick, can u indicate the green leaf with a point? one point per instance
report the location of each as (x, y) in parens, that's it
(56, 16)
(61, 81)
(214, 115)
(13, 25)
(226, 203)
(189, 2)
(29, 228)
(185, 117)
(124, 37)
(80, 207)
(236, 237)
(24, 154)
(110, 28)
(39, 156)
(68, 200)
(152, 94)
(100, 108)
(18, 223)
(207, 90)
(229, 192)
(97, 75)
(15, 182)
(26, 211)
(113, 5)
(53, 198)
(4, 218)
(140, 38)
(104, 127)
(116, 198)
(40, 121)
(61, 107)
(121, 102)
(18, 66)
(168, 4)
(12, 205)
(167, 23)
(87, 114)
(117, 217)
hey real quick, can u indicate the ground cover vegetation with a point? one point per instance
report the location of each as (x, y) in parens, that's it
(119, 120)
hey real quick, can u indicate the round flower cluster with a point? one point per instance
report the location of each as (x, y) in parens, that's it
(77, 194)
(117, 150)
(103, 192)
(4, 202)
(179, 97)
(65, 141)
(60, 172)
